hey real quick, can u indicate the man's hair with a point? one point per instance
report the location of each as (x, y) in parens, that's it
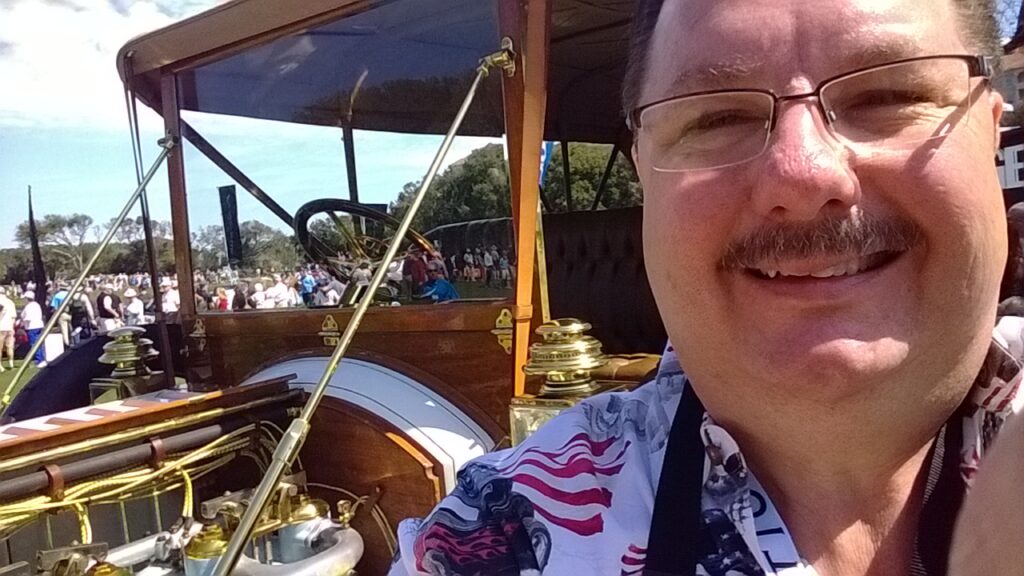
(977, 20)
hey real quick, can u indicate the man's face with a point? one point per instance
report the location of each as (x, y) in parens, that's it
(922, 315)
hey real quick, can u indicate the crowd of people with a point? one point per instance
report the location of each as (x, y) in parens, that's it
(487, 265)
(105, 302)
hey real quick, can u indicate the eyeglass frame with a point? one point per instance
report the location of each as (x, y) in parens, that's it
(978, 66)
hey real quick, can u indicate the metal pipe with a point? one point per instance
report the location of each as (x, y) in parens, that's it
(604, 177)
(203, 145)
(567, 177)
(119, 459)
(167, 359)
(294, 437)
(348, 136)
(166, 143)
(210, 151)
(136, 433)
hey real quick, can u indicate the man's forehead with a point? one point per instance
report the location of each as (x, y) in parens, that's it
(711, 44)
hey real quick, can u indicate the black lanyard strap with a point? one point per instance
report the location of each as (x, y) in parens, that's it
(672, 543)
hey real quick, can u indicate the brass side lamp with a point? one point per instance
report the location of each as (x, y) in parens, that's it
(128, 352)
(565, 357)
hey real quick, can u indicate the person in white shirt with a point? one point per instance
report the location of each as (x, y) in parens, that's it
(135, 310)
(32, 320)
(8, 314)
(259, 297)
(362, 275)
(277, 295)
(170, 299)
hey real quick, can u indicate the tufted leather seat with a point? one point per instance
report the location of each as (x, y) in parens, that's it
(596, 272)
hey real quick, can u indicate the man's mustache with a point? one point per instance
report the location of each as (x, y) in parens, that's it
(850, 235)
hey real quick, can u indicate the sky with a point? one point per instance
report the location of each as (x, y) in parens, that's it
(64, 127)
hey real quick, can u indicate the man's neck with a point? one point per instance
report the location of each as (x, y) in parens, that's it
(850, 497)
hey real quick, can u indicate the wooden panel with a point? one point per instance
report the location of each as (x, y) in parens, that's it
(464, 316)
(352, 449)
(449, 348)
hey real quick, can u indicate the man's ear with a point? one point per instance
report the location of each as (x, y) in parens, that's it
(996, 103)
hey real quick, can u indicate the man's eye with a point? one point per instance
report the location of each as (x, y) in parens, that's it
(886, 98)
(722, 120)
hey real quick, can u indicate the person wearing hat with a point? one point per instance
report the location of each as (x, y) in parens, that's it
(8, 314)
(135, 310)
(109, 309)
(170, 297)
(32, 321)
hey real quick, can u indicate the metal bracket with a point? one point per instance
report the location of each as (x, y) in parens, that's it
(504, 59)
(69, 561)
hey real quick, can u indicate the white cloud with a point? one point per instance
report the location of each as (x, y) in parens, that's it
(57, 58)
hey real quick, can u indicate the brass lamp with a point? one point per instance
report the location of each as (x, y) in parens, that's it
(128, 351)
(565, 356)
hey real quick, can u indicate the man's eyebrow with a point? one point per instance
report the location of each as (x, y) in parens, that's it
(726, 73)
(878, 52)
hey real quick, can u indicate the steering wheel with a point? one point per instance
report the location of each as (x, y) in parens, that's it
(362, 246)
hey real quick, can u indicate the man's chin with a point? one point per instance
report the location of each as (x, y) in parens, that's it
(835, 368)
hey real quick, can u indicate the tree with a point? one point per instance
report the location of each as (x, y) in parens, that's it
(587, 163)
(64, 238)
(267, 248)
(473, 188)
(130, 230)
(208, 248)
(477, 186)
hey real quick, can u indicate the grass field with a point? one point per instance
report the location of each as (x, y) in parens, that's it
(6, 377)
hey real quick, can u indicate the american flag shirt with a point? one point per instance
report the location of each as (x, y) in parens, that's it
(576, 498)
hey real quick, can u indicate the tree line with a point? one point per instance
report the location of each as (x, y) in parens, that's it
(473, 188)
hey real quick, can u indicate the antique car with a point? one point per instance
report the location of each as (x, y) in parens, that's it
(293, 440)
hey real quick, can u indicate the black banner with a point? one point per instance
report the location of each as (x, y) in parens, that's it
(38, 269)
(232, 234)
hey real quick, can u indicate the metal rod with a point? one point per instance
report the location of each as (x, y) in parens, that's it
(166, 357)
(157, 512)
(124, 522)
(63, 450)
(293, 438)
(203, 145)
(120, 459)
(210, 151)
(158, 302)
(604, 177)
(348, 136)
(166, 144)
(567, 174)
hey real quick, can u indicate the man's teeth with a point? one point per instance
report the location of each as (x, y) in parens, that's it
(842, 269)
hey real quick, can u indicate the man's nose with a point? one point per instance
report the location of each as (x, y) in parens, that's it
(805, 171)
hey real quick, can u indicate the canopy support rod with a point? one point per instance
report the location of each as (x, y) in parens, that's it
(567, 173)
(348, 137)
(167, 358)
(203, 145)
(293, 438)
(166, 144)
(604, 177)
(208, 150)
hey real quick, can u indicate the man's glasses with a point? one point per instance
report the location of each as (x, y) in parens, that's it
(892, 106)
